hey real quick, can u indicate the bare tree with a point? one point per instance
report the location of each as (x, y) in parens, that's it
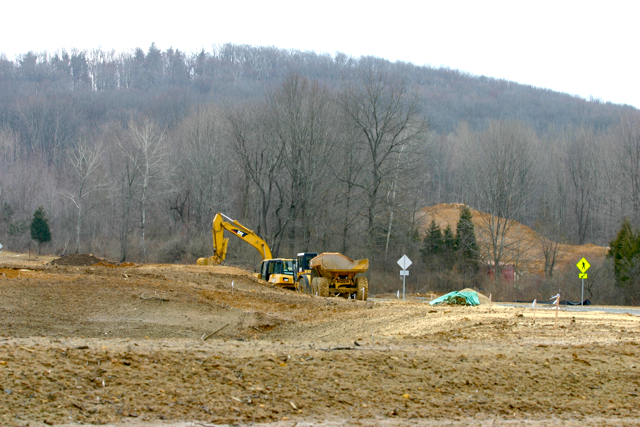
(8, 145)
(149, 141)
(582, 165)
(262, 162)
(388, 117)
(201, 152)
(48, 127)
(299, 123)
(550, 235)
(125, 172)
(553, 252)
(347, 170)
(627, 136)
(503, 176)
(86, 161)
(458, 167)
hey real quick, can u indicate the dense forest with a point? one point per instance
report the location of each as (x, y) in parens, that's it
(131, 154)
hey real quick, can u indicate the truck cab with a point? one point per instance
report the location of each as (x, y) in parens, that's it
(302, 271)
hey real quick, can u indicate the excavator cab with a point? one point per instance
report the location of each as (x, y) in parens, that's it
(276, 266)
(278, 272)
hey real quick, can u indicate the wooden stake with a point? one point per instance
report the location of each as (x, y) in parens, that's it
(557, 304)
(557, 310)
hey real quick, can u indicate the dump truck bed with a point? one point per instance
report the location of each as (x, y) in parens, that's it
(333, 263)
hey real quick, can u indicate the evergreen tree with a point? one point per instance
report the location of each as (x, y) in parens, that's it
(449, 240)
(448, 255)
(466, 243)
(625, 251)
(433, 241)
(40, 227)
(433, 247)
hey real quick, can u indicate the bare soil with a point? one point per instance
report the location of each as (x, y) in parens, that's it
(177, 345)
(77, 260)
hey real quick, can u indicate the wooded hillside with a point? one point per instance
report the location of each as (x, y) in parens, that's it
(132, 153)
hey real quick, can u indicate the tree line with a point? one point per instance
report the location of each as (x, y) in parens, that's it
(132, 154)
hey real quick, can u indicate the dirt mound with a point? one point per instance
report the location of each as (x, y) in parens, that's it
(526, 243)
(483, 299)
(83, 260)
(103, 264)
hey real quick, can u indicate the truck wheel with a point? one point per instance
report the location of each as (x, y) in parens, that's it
(320, 285)
(323, 287)
(363, 288)
(304, 286)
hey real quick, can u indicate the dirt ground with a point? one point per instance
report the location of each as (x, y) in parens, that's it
(178, 346)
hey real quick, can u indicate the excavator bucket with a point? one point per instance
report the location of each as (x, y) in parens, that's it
(213, 260)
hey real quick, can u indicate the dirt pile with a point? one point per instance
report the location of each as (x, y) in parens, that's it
(481, 297)
(526, 241)
(78, 260)
(86, 260)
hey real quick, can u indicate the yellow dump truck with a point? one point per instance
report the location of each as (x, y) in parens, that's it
(334, 274)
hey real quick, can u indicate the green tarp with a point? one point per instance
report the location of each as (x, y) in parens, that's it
(458, 297)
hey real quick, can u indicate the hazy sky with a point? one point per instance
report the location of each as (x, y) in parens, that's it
(584, 48)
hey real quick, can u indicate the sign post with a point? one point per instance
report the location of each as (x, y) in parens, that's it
(404, 264)
(583, 265)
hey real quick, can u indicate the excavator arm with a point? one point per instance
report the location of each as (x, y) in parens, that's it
(222, 222)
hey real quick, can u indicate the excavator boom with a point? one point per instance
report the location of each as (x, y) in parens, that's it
(222, 222)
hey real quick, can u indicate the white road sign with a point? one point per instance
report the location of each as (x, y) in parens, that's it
(404, 262)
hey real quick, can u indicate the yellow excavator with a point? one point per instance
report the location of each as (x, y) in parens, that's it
(277, 271)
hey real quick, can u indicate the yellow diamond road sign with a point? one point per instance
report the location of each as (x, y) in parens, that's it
(583, 265)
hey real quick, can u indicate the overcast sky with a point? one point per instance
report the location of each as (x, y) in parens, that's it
(583, 48)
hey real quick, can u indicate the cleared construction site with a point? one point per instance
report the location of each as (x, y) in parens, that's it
(83, 341)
